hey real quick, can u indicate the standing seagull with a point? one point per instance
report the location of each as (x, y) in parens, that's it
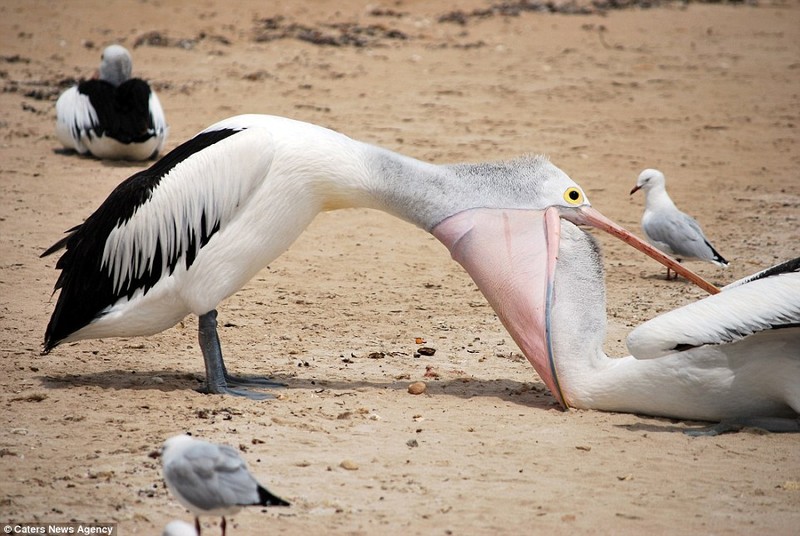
(113, 116)
(210, 479)
(183, 235)
(732, 357)
(669, 229)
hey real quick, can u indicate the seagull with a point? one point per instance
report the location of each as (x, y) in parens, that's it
(180, 237)
(179, 528)
(210, 479)
(732, 358)
(667, 228)
(112, 117)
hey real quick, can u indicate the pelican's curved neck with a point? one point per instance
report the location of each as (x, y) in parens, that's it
(331, 170)
(589, 378)
(578, 313)
(427, 194)
(413, 190)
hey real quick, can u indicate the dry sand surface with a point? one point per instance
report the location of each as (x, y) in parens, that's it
(710, 94)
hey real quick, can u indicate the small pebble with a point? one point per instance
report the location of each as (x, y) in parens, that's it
(417, 388)
(350, 465)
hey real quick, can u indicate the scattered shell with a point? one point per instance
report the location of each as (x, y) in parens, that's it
(412, 443)
(417, 388)
(350, 465)
(426, 350)
(587, 448)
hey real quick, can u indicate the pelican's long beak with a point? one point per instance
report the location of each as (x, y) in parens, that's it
(511, 255)
(586, 215)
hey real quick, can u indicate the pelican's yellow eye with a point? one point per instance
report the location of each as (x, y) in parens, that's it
(573, 196)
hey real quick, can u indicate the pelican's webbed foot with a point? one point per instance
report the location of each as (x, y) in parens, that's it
(251, 381)
(775, 425)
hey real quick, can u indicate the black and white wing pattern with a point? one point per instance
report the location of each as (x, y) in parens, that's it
(766, 301)
(153, 223)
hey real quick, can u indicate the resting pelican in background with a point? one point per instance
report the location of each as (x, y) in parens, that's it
(667, 228)
(731, 357)
(183, 235)
(114, 116)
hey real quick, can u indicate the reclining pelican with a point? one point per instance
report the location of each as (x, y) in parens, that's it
(731, 357)
(183, 235)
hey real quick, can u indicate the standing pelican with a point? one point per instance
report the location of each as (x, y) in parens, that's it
(211, 480)
(183, 235)
(114, 116)
(667, 228)
(733, 356)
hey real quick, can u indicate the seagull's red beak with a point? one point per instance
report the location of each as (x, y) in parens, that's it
(635, 189)
(512, 254)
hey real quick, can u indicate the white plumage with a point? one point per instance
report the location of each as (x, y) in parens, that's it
(742, 309)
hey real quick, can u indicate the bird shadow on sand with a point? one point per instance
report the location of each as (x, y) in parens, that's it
(525, 394)
(660, 425)
(685, 283)
(530, 394)
(72, 153)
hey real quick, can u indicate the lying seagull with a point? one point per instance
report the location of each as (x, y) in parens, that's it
(114, 116)
(210, 479)
(667, 228)
(183, 235)
(732, 357)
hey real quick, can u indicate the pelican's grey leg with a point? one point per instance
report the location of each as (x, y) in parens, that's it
(217, 377)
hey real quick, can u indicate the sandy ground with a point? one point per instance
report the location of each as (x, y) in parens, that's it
(707, 93)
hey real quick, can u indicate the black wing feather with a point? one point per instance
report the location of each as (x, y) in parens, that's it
(123, 112)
